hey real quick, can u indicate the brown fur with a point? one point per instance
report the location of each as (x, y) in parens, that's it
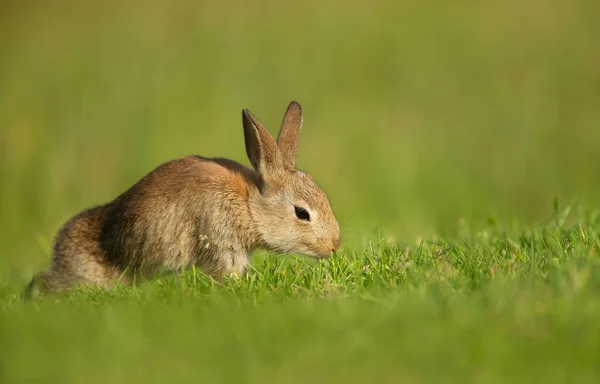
(198, 211)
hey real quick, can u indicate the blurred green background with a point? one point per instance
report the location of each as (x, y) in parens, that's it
(416, 114)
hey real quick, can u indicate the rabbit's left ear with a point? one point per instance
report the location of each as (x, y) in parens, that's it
(289, 135)
(260, 147)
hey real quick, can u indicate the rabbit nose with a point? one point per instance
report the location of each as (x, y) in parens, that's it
(336, 244)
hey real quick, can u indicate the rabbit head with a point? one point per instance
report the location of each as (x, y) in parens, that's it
(290, 212)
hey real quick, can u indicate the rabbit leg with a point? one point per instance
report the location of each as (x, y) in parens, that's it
(225, 263)
(72, 270)
(78, 259)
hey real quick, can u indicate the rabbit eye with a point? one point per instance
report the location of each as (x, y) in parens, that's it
(302, 213)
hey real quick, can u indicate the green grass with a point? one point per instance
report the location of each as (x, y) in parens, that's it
(443, 133)
(504, 304)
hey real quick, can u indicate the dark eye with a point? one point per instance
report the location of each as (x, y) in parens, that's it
(302, 213)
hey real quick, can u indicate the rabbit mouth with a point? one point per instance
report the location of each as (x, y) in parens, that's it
(306, 250)
(320, 254)
(314, 252)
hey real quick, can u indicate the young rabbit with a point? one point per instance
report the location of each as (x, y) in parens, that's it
(208, 212)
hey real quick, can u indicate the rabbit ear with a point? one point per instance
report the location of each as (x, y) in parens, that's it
(260, 146)
(289, 134)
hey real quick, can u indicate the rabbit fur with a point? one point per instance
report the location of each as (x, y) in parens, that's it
(196, 211)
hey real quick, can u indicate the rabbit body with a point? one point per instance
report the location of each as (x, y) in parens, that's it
(208, 212)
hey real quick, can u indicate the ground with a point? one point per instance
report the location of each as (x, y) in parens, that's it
(501, 304)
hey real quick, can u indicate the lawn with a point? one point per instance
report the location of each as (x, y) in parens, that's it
(459, 145)
(503, 304)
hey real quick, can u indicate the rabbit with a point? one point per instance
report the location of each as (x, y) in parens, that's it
(197, 211)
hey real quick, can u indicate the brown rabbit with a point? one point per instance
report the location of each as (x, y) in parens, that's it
(211, 213)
